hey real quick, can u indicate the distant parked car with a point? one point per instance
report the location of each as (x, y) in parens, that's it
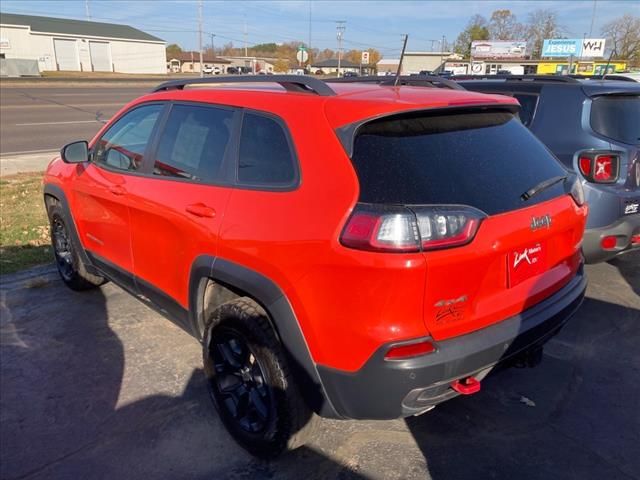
(232, 70)
(350, 74)
(593, 127)
(207, 70)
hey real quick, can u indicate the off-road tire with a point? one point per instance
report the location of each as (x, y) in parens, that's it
(290, 422)
(70, 266)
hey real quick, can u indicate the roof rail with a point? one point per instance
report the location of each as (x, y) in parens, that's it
(409, 80)
(291, 83)
(608, 76)
(524, 78)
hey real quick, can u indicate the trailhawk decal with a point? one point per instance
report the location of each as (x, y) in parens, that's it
(450, 310)
(526, 262)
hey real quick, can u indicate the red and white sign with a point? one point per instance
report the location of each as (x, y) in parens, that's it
(526, 262)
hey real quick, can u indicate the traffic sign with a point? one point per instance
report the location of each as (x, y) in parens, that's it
(365, 58)
(302, 56)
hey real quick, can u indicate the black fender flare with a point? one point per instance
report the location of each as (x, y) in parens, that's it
(56, 192)
(273, 300)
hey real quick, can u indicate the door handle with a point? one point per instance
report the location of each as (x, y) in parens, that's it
(117, 190)
(201, 210)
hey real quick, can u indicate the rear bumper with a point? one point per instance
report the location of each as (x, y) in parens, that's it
(623, 229)
(391, 389)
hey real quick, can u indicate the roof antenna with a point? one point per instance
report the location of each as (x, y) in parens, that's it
(606, 69)
(404, 46)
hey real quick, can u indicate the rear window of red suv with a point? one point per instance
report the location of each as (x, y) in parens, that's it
(484, 159)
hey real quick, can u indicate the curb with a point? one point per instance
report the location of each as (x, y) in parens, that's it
(26, 162)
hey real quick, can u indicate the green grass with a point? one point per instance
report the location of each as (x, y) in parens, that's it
(24, 226)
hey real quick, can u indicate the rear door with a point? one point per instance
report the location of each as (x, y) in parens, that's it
(178, 206)
(526, 247)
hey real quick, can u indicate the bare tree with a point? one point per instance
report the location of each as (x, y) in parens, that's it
(504, 25)
(623, 35)
(541, 24)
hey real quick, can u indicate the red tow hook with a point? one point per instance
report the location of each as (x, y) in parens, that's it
(466, 386)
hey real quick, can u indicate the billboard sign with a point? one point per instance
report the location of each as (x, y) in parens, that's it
(593, 47)
(498, 49)
(576, 47)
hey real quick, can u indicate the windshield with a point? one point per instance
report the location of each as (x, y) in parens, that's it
(617, 117)
(485, 159)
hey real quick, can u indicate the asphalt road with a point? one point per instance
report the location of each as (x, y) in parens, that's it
(96, 385)
(37, 119)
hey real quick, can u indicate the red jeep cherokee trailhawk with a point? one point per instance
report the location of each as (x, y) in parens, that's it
(358, 251)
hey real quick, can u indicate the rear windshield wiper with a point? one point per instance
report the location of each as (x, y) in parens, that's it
(533, 191)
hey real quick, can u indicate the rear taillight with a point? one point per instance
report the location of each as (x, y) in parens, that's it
(383, 228)
(447, 226)
(599, 167)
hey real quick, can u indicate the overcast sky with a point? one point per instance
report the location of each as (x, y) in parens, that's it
(368, 24)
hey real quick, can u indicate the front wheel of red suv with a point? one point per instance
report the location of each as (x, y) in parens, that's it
(70, 266)
(251, 383)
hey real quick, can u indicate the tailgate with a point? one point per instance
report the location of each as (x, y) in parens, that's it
(516, 260)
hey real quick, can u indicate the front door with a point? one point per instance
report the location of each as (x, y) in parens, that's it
(101, 197)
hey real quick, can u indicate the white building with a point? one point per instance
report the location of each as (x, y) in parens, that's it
(76, 45)
(414, 62)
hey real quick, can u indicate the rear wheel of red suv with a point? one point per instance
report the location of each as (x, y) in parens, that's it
(251, 383)
(70, 266)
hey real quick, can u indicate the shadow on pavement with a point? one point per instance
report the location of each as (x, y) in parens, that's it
(75, 403)
(629, 267)
(570, 417)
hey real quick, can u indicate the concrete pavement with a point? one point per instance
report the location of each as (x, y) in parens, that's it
(36, 118)
(96, 385)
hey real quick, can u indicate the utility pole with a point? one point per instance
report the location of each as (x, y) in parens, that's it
(87, 10)
(593, 17)
(245, 37)
(444, 39)
(309, 46)
(213, 49)
(200, 36)
(340, 28)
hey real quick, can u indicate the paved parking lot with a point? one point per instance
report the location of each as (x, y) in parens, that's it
(96, 385)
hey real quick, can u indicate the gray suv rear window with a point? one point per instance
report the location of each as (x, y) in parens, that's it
(483, 159)
(617, 117)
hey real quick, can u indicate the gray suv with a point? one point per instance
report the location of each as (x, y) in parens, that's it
(593, 126)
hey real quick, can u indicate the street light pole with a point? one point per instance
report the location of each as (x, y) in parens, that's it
(200, 36)
(339, 34)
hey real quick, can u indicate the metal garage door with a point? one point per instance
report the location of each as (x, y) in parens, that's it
(100, 58)
(66, 54)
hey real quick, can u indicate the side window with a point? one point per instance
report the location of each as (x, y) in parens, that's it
(123, 145)
(528, 109)
(193, 143)
(265, 157)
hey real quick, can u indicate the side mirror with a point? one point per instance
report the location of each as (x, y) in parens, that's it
(76, 152)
